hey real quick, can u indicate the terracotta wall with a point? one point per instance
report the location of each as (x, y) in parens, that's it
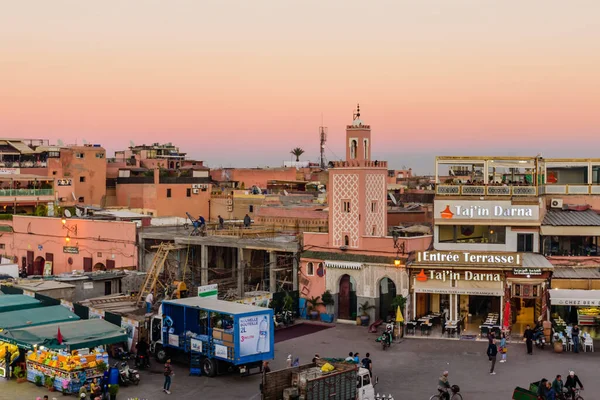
(410, 218)
(98, 240)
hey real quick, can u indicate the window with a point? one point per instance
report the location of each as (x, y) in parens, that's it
(2, 246)
(346, 206)
(188, 192)
(374, 231)
(82, 179)
(525, 242)
(99, 155)
(53, 172)
(391, 173)
(251, 208)
(81, 199)
(310, 269)
(353, 146)
(346, 240)
(373, 206)
(78, 155)
(53, 154)
(168, 192)
(366, 379)
(477, 234)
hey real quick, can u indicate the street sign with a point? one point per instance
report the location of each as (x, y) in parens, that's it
(208, 291)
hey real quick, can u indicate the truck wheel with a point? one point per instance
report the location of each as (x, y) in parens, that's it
(209, 367)
(161, 354)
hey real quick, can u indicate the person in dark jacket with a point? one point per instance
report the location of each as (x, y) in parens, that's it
(492, 352)
(247, 221)
(571, 383)
(542, 391)
(529, 339)
(575, 336)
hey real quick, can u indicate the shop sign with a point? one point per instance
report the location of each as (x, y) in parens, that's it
(208, 291)
(70, 249)
(458, 276)
(468, 258)
(64, 182)
(527, 271)
(196, 345)
(468, 210)
(220, 351)
(471, 292)
(576, 302)
(10, 171)
(173, 340)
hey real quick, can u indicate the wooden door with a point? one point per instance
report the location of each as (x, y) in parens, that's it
(30, 263)
(344, 298)
(110, 264)
(50, 258)
(87, 264)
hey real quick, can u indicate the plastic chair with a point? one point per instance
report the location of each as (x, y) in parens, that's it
(589, 342)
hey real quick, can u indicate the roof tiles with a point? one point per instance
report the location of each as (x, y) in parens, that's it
(571, 218)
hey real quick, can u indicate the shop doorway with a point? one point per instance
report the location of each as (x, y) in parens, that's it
(38, 266)
(387, 293)
(99, 267)
(347, 298)
(481, 306)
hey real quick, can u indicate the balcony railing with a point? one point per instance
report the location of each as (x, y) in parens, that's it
(26, 192)
(23, 164)
(474, 190)
(580, 189)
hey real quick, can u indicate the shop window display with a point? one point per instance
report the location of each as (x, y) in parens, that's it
(472, 234)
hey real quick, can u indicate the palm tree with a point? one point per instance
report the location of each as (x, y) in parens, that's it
(297, 152)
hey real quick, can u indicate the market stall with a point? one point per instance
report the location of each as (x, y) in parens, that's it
(574, 306)
(14, 354)
(65, 355)
(35, 317)
(12, 302)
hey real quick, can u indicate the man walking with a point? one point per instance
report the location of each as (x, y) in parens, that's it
(368, 364)
(492, 352)
(529, 339)
(149, 301)
(575, 337)
(168, 374)
(7, 356)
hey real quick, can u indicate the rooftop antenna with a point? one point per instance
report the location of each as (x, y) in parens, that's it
(323, 139)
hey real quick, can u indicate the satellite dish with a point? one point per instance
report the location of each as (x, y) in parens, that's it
(131, 143)
(60, 142)
(68, 214)
(78, 212)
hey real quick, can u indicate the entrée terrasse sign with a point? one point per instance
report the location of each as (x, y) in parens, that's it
(468, 258)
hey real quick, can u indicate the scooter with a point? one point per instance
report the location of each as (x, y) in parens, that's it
(386, 337)
(122, 354)
(142, 361)
(127, 375)
(539, 339)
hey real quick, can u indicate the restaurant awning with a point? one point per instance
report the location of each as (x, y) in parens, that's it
(12, 302)
(574, 297)
(343, 264)
(76, 335)
(35, 317)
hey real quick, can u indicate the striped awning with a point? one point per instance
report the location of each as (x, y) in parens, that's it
(343, 264)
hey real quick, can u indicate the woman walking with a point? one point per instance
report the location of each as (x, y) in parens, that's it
(503, 348)
(168, 374)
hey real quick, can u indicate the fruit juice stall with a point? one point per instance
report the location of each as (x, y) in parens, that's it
(25, 318)
(66, 355)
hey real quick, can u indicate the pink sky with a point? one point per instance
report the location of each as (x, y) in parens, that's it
(242, 82)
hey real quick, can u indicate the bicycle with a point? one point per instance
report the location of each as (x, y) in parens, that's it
(575, 396)
(455, 395)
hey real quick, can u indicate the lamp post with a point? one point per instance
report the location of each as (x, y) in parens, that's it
(399, 246)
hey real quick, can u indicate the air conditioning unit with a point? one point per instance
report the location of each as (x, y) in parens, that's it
(556, 203)
(194, 186)
(195, 191)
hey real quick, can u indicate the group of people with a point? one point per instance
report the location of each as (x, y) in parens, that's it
(557, 389)
(494, 348)
(365, 362)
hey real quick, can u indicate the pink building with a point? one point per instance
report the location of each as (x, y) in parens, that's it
(356, 260)
(61, 246)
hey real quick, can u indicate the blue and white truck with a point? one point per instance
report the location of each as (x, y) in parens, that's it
(218, 336)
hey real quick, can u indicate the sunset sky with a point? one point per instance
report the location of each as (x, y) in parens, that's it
(239, 83)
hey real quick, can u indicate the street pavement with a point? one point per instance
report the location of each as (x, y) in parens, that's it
(408, 370)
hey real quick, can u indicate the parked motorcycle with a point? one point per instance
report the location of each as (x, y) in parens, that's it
(142, 361)
(539, 338)
(386, 337)
(285, 317)
(122, 355)
(127, 375)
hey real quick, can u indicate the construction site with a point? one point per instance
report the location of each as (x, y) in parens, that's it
(240, 260)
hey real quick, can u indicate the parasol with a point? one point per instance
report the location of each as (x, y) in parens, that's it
(399, 317)
(507, 317)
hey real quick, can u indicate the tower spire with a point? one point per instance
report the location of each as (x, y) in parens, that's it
(357, 113)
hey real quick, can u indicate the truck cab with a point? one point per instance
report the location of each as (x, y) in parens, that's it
(365, 385)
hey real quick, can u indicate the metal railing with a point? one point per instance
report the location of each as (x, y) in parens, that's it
(26, 192)
(581, 189)
(476, 190)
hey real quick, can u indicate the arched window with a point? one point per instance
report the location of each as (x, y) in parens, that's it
(346, 240)
(366, 148)
(310, 269)
(353, 146)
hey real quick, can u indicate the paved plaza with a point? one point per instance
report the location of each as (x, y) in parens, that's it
(408, 370)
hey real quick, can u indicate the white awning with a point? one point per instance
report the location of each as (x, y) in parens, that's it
(574, 297)
(343, 264)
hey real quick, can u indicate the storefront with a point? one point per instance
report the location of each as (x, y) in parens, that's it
(469, 286)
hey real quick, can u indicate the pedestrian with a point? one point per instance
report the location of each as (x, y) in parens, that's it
(168, 374)
(265, 367)
(350, 357)
(288, 362)
(315, 358)
(492, 352)
(296, 362)
(356, 358)
(558, 385)
(247, 221)
(575, 337)
(528, 336)
(221, 222)
(491, 336)
(503, 349)
(46, 397)
(149, 301)
(551, 393)
(368, 364)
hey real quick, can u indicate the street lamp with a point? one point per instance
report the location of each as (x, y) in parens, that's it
(398, 246)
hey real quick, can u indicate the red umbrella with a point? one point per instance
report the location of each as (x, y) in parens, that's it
(506, 322)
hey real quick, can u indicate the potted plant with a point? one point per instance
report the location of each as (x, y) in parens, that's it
(112, 391)
(329, 303)
(101, 367)
(313, 303)
(38, 380)
(49, 383)
(19, 374)
(364, 308)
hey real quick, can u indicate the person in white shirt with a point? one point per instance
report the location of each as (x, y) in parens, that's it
(149, 301)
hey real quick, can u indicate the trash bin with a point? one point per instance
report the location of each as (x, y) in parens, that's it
(470, 318)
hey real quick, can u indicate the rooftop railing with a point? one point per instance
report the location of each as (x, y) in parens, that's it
(26, 192)
(479, 190)
(575, 189)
